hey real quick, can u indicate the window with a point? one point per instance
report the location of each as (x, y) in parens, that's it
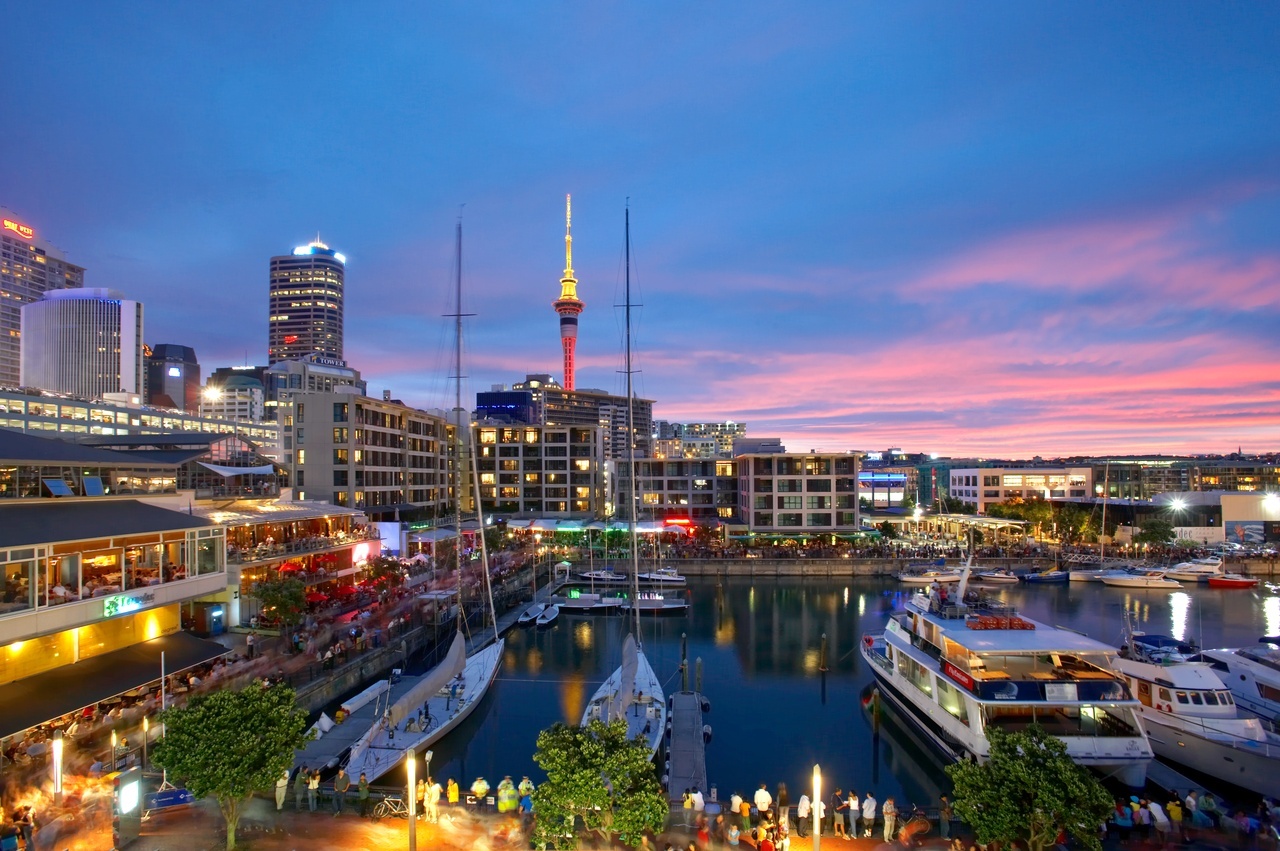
(339, 412)
(339, 435)
(340, 478)
(302, 456)
(1182, 697)
(302, 478)
(792, 502)
(1197, 699)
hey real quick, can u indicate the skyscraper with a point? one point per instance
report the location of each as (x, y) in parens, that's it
(306, 303)
(82, 342)
(173, 377)
(568, 305)
(29, 267)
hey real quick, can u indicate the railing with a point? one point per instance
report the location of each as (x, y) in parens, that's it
(263, 552)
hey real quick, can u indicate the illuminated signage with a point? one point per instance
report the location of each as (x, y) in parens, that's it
(120, 604)
(290, 339)
(958, 675)
(19, 228)
(175, 372)
(127, 801)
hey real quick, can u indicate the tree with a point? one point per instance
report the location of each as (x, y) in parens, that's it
(1156, 530)
(1074, 524)
(1028, 790)
(888, 531)
(597, 775)
(384, 572)
(282, 597)
(229, 744)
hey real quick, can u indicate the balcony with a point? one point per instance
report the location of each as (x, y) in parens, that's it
(309, 544)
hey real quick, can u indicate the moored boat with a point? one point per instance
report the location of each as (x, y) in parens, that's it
(605, 577)
(548, 616)
(1232, 580)
(654, 603)
(997, 577)
(928, 577)
(1053, 576)
(1253, 675)
(662, 576)
(1141, 579)
(1195, 571)
(530, 615)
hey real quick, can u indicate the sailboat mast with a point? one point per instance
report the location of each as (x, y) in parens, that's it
(631, 441)
(457, 422)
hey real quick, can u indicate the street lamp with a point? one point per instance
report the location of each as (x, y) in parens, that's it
(146, 728)
(411, 764)
(57, 767)
(427, 771)
(817, 801)
(113, 750)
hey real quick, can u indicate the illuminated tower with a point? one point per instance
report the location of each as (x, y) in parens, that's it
(568, 305)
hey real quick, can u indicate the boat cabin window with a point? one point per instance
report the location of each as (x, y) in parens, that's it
(1164, 695)
(1196, 699)
(1085, 720)
(1225, 697)
(1268, 692)
(1210, 698)
(1182, 697)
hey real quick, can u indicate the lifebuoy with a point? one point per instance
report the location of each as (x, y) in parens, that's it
(868, 640)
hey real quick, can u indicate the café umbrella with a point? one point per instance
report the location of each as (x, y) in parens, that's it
(316, 597)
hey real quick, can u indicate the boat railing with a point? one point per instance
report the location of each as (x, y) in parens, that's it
(875, 645)
(1225, 736)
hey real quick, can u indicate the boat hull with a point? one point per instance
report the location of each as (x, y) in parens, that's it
(1253, 768)
(1056, 577)
(1232, 582)
(1127, 582)
(648, 716)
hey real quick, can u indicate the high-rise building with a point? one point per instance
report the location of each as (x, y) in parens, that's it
(306, 296)
(568, 305)
(173, 377)
(29, 267)
(82, 342)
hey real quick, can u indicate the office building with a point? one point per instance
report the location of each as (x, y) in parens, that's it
(240, 397)
(29, 268)
(306, 302)
(984, 486)
(83, 342)
(792, 492)
(173, 377)
(700, 491)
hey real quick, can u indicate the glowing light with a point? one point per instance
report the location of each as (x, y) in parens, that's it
(175, 372)
(212, 394)
(340, 257)
(1178, 504)
(1271, 501)
(1179, 608)
(19, 228)
(128, 798)
(360, 554)
(1271, 614)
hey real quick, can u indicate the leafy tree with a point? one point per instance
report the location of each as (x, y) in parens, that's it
(953, 505)
(229, 744)
(1156, 530)
(384, 572)
(597, 775)
(283, 597)
(887, 530)
(1028, 790)
(1074, 524)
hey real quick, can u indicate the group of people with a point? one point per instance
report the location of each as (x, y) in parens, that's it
(1181, 817)
(427, 793)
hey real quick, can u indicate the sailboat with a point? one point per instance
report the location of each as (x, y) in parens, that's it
(632, 693)
(422, 710)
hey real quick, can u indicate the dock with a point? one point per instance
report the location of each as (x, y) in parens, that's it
(687, 747)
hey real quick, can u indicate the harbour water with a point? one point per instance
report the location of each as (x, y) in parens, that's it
(774, 712)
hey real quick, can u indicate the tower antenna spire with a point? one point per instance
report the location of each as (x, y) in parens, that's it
(568, 306)
(568, 236)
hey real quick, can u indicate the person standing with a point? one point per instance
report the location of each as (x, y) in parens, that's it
(945, 814)
(1174, 810)
(525, 787)
(802, 817)
(783, 804)
(451, 792)
(818, 815)
(282, 788)
(362, 795)
(300, 788)
(420, 796)
(839, 805)
(479, 790)
(250, 643)
(1160, 821)
(26, 822)
(699, 803)
(313, 789)
(433, 800)
(763, 801)
(890, 813)
(341, 784)
(868, 815)
(735, 807)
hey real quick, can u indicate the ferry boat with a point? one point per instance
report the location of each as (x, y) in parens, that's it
(929, 577)
(958, 672)
(662, 576)
(1141, 579)
(1192, 719)
(1252, 674)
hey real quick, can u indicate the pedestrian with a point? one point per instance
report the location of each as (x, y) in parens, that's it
(699, 802)
(1173, 808)
(1122, 818)
(1159, 821)
(341, 784)
(735, 808)
(744, 813)
(362, 795)
(26, 821)
(250, 641)
(945, 814)
(839, 804)
(1209, 807)
(1141, 818)
(802, 817)
(868, 815)
(852, 810)
(783, 803)
(479, 790)
(732, 836)
(282, 788)
(313, 789)
(763, 800)
(433, 800)
(819, 812)
(890, 813)
(686, 808)
(300, 788)
(719, 829)
(525, 787)
(451, 792)
(420, 795)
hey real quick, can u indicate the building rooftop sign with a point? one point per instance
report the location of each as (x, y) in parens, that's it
(20, 229)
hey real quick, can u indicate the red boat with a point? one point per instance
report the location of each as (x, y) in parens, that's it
(1232, 580)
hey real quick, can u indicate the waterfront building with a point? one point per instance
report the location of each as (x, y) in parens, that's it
(799, 492)
(377, 455)
(542, 471)
(305, 297)
(686, 447)
(173, 377)
(758, 446)
(987, 485)
(29, 268)
(703, 491)
(555, 406)
(568, 305)
(240, 397)
(507, 407)
(86, 342)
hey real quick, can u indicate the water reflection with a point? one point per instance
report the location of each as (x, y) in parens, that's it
(1179, 606)
(1271, 614)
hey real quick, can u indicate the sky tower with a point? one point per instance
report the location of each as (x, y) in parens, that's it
(568, 305)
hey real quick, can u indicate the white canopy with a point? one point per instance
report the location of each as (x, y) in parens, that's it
(264, 470)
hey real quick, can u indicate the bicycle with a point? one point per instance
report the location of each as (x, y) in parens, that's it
(391, 807)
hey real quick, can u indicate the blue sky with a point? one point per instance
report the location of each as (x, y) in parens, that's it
(993, 228)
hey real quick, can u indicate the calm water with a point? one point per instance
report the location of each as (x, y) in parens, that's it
(773, 713)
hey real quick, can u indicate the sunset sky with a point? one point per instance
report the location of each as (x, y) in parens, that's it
(997, 229)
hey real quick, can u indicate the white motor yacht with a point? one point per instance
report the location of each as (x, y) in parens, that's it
(1141, 579)
(997, 577)
(1195, 571)
(604, 577)
(957, 672)
(929, 577)
(1252, 674)
(662, 576)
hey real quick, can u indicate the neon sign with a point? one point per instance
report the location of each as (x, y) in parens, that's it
(124, 603)
(20, 229)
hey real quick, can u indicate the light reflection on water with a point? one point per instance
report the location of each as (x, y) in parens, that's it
(772, 715)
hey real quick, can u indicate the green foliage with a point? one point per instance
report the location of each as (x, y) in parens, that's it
(384, 572)
(887, 530)
(597, 776)
(1036, 511)
(1155, 530)
(1028, 790)
(953, 505)
(282, 597)
(229, 744)
(1075, 524)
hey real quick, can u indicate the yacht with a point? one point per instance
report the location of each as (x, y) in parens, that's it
(604, 577)
(1141, 579)
(1252, 674)
(1196, 571)
(662, 576)
(957, 672)
(996, 577)
(929, 577)
(1192, 719)
(1053, 576)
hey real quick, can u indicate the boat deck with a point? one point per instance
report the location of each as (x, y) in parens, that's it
(687, 749)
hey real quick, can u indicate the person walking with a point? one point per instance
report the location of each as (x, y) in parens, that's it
(362, 795)
(890, 813)
(945, 814)
(313, 789)
(300, 788)
(282, 788)
(868, 815)
(433, 800)
(341, 784)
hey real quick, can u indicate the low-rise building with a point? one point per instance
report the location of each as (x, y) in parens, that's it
(543, 471)
(984, 486)
(795, 492)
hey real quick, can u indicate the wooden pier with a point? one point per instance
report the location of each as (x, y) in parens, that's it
(686, 766)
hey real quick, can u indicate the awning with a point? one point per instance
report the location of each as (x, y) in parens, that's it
(46, 696)
(264, 470)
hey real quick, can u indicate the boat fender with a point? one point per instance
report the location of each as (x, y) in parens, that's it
(706, 705)
(666, 780)
(706, 734)
(666, 766)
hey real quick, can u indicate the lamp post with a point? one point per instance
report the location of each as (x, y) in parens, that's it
(427, 772)
(114, 741)
(817, 800)
(57, 767)
(411, 764)
(146, 729)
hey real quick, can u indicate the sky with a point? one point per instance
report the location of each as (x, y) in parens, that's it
(1001, 229)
